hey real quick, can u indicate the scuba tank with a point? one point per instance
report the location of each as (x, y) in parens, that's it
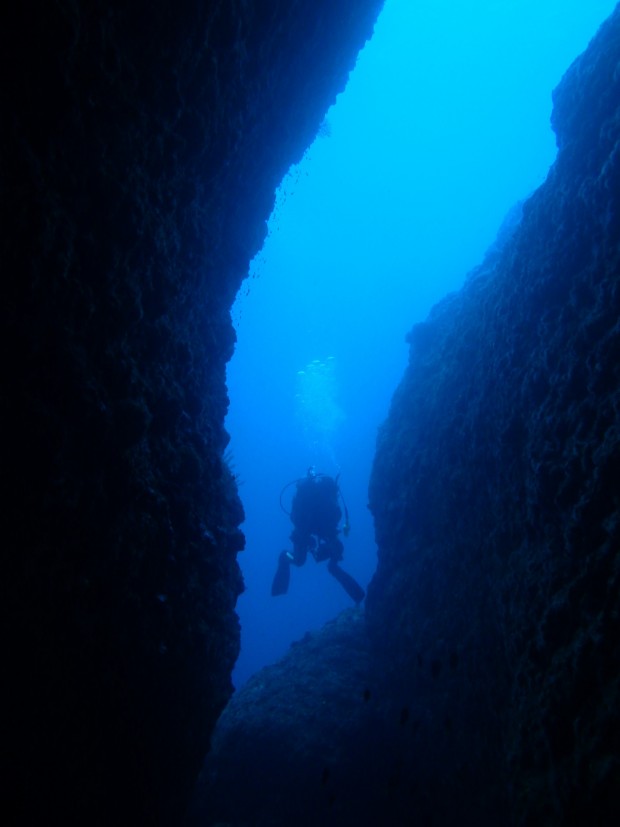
(346, 528)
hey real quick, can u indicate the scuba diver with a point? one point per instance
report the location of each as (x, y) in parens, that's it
(315, 514)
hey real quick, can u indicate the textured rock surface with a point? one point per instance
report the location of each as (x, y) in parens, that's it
(496, 487)
(490, 677)
(326, 737)
(298, 714)
(141, 144)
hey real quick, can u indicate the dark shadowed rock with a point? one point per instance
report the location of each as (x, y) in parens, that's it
(278, 754)
(496, 485)
(325, 737)
(141, 145)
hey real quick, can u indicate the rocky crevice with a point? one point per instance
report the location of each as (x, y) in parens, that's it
(485, 686)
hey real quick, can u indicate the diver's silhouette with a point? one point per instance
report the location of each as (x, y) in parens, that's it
(315, 513)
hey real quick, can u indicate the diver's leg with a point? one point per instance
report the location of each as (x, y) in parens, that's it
(283, 575)
(301, 543)
(349, 584)
(322, 551)
(331, 546)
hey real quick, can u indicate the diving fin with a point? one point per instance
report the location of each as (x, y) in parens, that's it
(351, 586)
(283, 575)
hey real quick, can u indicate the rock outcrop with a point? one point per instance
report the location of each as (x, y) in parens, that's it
(496, 492)
(141, 147)
(488, 688)
(302, 714)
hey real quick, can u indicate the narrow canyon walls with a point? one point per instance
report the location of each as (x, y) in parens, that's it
(482, 684)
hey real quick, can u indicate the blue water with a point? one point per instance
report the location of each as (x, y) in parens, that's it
(443, 126)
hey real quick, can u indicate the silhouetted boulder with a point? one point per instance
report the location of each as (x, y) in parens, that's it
(279, 744)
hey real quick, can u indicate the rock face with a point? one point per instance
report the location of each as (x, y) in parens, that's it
(301, 771)
(496, 491)
(485, 686)
(141, 147)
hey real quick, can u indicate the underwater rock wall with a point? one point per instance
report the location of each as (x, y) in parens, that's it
(141, 147)
(496, 493)
(287, 748)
